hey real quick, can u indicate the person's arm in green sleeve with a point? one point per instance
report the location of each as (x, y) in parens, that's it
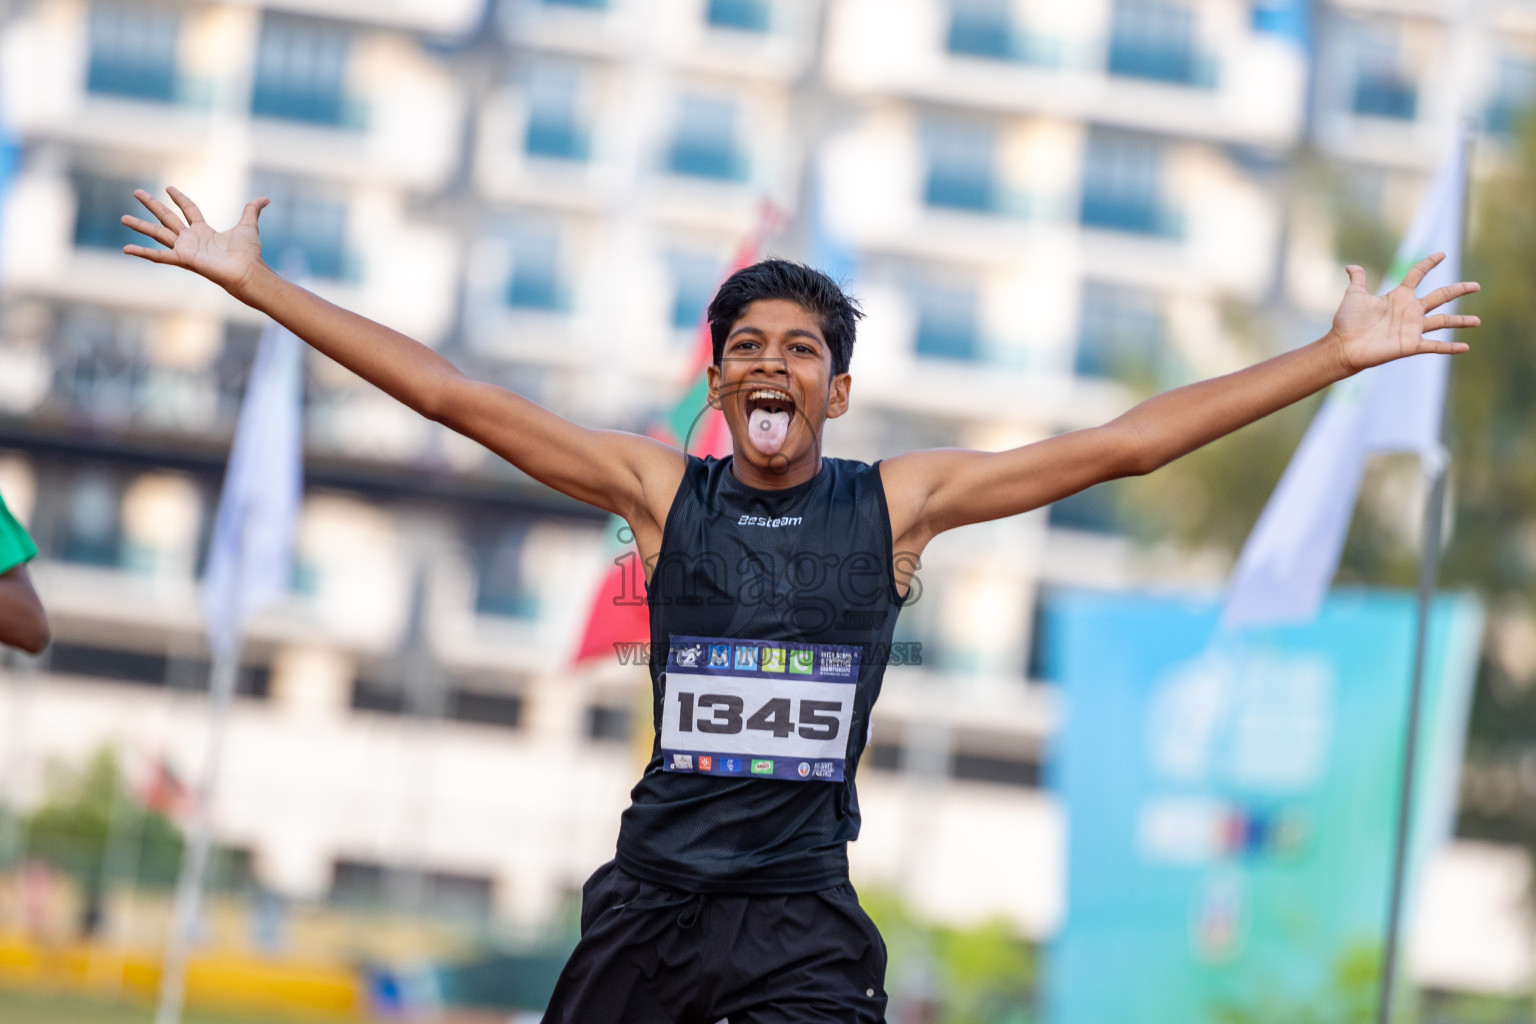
(23, 622)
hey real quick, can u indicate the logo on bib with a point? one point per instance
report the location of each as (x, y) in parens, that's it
(719, 655)
(762, 767)
(688, 657)
(706, 763)
(732, 765)
(682, 762)
(824, 770)
(746, 658)
(773, 659)
(802, 662)
(804, 769)
(837, 663)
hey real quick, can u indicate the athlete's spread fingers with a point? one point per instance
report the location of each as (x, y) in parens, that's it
(253, 211)
(1440, 321)
(162, 212)
(153, 255)
(1415, 275)
(1440, 296)
(187, 206)
(155, 231)
(1356, 277)
(1450, 348)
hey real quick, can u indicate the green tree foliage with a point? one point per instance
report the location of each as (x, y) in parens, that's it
(70, 828)
(985, 974)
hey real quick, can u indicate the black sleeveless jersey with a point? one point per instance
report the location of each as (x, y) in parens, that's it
(807, 570)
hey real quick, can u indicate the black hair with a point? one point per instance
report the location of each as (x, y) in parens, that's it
(805, 286)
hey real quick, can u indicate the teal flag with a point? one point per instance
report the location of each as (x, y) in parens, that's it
(1232, 801)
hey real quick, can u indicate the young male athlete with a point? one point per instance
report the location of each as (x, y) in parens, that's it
(774, 577)
(23, 623)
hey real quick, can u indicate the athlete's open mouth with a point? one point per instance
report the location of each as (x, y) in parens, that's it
(768, 415)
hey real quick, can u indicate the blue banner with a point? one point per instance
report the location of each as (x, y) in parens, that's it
(1232, 801)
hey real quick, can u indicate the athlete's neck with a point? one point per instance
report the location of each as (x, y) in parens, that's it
(775, 477)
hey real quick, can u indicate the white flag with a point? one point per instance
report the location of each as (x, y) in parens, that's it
(249, 558)
(1284, 571)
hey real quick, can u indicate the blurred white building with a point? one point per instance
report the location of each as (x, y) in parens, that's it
(1044, 207)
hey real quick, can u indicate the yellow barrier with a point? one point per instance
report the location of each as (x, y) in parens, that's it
(227, 981)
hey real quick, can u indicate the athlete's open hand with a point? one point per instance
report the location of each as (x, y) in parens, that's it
(1370, 329)
(226, 258)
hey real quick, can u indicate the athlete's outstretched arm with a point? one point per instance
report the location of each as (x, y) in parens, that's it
(606, 468)
(23, 623)
(932, 491)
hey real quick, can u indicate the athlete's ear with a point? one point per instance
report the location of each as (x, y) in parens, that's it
(713, 373)
(837, 395)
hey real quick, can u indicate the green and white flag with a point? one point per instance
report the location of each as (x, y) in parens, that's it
(1285, 568)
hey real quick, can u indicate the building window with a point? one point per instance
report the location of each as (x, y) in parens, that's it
(536, 280)
(100, 367)
(307, 222)
(960, 165)
(1122, 334)
(1513, 93)
(555, 129)
(743, 15)
(608, 723)
(301, 71)
(483, 707)
(443, 894)
(704, 141)
(100, 205)
(946, 322)
(694, 278)
(501, 588)
(1092, 511)
(1382, 89)
(133, 52)
(93, 528)
(1150, 39)
(1122, 185)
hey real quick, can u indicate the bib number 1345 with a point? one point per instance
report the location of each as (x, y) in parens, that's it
(725, 714)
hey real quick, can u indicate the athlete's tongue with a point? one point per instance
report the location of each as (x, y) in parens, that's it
(768, 429)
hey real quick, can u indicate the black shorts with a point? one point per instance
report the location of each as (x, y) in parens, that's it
(651, 955)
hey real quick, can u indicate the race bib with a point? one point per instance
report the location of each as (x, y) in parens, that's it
(758, 709)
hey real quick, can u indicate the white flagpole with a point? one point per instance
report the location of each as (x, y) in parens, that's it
(1438, 466)
(194, 861)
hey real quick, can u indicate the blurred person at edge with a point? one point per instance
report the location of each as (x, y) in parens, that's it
(23, 623)
(728, 896)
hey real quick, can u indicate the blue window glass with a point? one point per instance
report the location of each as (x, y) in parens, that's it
(301, 70)
(1122, 185)
(555, 128)
(704, 141)
(1122, 333)
(100, 203)
(946, 322)
(1513, 94)
(743, 15)
(591, 5)
(694, 278)
(133, 52)
(1095, 510)
(305, 221)
(1156, 40)
(536, 281)
(93, 533)
(1381, 87)
(981, 28)
(502, 589)
(960, 165)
